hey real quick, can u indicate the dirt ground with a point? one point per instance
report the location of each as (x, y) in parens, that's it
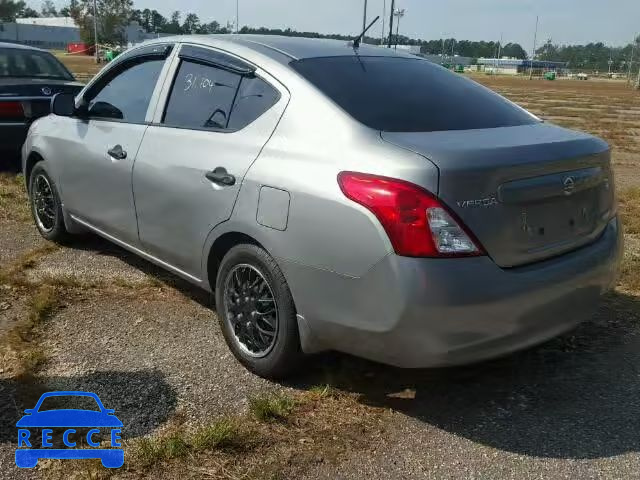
(90, 316)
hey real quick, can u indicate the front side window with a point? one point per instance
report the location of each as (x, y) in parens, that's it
(126, 96)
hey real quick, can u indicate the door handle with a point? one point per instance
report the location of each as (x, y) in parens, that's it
(118, 152)
(220, 176)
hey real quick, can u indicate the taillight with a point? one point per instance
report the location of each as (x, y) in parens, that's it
(11, 110)
(417, 223)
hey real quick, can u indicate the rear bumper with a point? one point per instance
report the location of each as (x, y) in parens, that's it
(413, 312)
(12, 136)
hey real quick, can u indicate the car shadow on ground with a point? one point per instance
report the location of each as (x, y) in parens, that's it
(142, 400)
(100, 246)
(575, 397)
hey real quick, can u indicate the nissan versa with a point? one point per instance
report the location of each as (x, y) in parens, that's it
(334, 197)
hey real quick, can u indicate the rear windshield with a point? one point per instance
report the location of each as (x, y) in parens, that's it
(31, 63)
(408, 95)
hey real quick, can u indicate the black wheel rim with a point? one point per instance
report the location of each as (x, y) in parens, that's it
(44, 203)
(251, 311)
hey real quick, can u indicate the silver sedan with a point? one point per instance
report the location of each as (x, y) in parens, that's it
(334, 197)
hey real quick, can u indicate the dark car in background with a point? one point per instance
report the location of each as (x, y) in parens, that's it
(29, 77)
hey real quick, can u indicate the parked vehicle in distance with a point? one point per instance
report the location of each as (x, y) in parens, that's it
(334, 198)
(29, 77)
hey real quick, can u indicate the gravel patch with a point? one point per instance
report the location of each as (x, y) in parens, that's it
(151, 354)
(88, 265)
(16, 239)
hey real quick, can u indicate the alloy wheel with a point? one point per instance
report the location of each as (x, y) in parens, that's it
(44, 203)
(251, 311)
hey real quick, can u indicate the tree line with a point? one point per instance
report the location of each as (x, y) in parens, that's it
(114, 15)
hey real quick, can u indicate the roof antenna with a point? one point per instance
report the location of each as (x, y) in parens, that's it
(356, 41)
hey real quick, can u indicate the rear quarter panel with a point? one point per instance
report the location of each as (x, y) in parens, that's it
(315, 141)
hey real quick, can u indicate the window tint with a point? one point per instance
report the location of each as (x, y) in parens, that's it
(127, 95)
(202, 97)
(408, 95)
(31, 63)
(255, 97)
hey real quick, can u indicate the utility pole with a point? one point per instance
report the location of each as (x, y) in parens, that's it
(399, 13)
(384, 11)
(95, 28)
(633, 47)
(393, 6)
(364, 18)
(533, 54)
(610, 62)
(237, 15)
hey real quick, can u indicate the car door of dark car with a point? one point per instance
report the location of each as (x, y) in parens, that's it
(100, 146)
(219, 114)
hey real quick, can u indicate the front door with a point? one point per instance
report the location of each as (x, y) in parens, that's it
(101, 147)
(219, 115)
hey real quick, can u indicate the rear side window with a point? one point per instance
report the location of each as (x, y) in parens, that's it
(255, 96)
(408, 95)
(211, 98)
(202, 97)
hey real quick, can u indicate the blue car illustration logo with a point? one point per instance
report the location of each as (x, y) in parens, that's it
(33, 446)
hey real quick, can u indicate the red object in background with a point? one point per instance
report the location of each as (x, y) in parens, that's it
(80, 48)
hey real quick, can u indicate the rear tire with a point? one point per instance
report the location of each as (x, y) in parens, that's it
(46, 206)
(250, 282)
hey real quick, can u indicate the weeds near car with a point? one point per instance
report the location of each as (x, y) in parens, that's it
(275, 406)
(224, 433)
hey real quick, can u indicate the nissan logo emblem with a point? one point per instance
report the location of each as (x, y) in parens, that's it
(569, 185)
(46, 91)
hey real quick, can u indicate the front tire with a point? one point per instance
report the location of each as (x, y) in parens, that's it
(45, 204)
(256, 312)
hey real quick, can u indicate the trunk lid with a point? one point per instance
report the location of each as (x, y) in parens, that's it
(40, 92)
(528, 192)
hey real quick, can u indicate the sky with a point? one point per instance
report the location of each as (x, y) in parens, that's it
(614, 22)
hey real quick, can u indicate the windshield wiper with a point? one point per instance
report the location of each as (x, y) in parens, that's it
(356, 41)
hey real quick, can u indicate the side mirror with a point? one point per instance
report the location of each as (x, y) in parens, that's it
(29, 411)
(63, 105)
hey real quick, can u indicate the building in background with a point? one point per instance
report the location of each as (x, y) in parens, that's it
(41, 36)
(515, 66)
(56, 33)
(453, 61)
(48, 21)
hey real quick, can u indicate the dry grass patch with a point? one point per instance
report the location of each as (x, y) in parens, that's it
(630, 210)
(19, 348)
(14, 205)
(322, 426)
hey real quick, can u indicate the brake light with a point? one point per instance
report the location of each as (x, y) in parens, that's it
(11, 110)
(417, 223)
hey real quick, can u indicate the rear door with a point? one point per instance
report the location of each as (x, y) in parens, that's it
(97, 151)
(219, 113)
